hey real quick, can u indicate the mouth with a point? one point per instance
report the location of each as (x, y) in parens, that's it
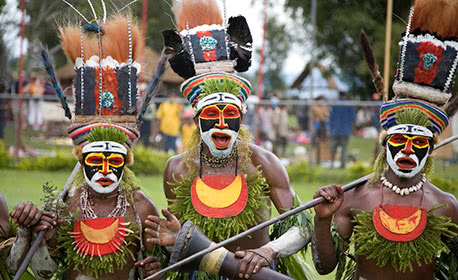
(105, 181)
(406, 163)
(221, 140)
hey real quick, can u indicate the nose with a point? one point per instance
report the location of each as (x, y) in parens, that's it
(105, 169)
(221, 124)
(408, 148)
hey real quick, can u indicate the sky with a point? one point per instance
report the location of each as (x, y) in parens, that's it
(253, 12)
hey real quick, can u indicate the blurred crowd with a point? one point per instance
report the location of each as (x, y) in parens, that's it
(276, 124)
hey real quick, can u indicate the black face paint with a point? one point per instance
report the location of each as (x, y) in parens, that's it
(216, 116)
(94, 163)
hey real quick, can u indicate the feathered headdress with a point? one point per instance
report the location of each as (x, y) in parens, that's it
(205, 48)
(426, 68)
(104, 52)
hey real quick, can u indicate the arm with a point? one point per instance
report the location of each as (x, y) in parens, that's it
(324, 253)
(172, 171)
(281, 193)
(282, 196)
(145, 207)
(4, 219)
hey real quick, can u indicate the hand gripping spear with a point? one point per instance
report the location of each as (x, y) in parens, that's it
(41, 234)
(283, 216)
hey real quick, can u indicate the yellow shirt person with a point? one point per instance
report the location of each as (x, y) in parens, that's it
(169, 115)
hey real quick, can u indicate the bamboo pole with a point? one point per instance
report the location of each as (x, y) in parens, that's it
(386, 66)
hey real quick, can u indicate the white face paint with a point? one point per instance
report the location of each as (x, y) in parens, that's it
(212, 146)
(99, 188)
(399, 170)
(103, 165)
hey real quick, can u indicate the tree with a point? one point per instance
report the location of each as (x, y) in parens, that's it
(338, 25)
(278, 43)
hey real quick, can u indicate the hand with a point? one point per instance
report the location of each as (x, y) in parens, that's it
(333, 196)
(26, 214)
(253, 260)
(161, 231)
(48, 223)
(149, 266)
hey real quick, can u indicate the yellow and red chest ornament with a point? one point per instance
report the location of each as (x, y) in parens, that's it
(219, 196)
(100, 236)
(398, 222)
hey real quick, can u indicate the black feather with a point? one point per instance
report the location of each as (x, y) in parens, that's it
(153, 86)
(57, 88)
(172, 41)
(239, 31)
(372, 64)
(241, 43)
(180, 60)
(182, 65)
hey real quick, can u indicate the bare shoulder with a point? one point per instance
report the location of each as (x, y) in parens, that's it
(442, 197)
(174, 166)
(261, 156)
(144, 205)
(358, 198)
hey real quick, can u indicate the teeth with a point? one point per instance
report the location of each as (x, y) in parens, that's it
(397, 190)
(406, 191)
(411, 189)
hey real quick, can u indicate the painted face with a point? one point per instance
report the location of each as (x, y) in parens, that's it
(103, 170)
(407, 154)
(219, 127)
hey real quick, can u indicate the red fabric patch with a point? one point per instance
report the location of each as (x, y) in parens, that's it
(83, 246)
(109, 84)
(219, 182)
(391, 220)
(208, 55)
(423, 75)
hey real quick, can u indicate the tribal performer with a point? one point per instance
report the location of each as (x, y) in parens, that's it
(399, 220)
(101, 235)
(223, 183)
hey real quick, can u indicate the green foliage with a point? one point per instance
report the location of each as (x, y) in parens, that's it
(301, 171)
(402, 255)
(412, 116)
(448, 185)
(215, 85)
(109, 133)
(148, 161)
(51, 201)
(59, 160)
(5, 160)
(278, 45)
(357, 170)
(94, 266)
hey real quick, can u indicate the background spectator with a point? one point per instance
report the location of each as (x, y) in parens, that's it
(320, 136)
(341, 119)
(34, 116)
(169, 114)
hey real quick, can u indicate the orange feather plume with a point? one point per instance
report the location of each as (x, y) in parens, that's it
(115, 42)
(196, 12)
(436, 16)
